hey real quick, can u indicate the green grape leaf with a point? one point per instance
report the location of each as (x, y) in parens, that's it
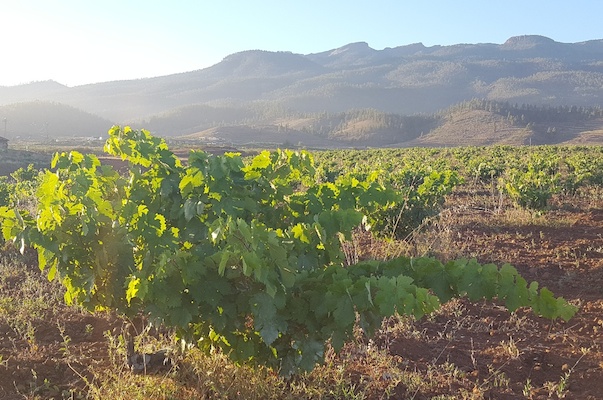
(386, 297)
(312, 352)
(299, 232)
(192, 180)
(180, 317)
(565, 310)
(265, 319)
(190, 209)
(132, 290)
(344, 314)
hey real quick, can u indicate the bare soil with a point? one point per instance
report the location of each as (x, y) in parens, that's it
(562, 250)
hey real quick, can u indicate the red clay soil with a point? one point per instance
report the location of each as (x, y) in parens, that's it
(53, 364)
(565, 254)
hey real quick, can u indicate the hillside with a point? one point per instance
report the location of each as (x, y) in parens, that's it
(477, 122)
(259, 92)
(267, 135)
(482, 122)
(474, 128)
(38, 119)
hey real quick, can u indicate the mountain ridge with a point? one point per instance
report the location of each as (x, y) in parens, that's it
(404, 80)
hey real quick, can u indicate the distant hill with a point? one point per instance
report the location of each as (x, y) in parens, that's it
(342, 96)
(38, 119)
(484, 122)
(474, 128)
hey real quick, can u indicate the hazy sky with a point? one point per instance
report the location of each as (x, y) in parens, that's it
(76, 42)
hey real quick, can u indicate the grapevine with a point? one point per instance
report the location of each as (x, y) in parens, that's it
(240, 257)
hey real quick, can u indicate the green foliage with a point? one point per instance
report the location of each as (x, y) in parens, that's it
(6, 188)
(485, 171)
(26, 183)
(422, 187)
(424, 192)
(531, 189)
(242, 257)
(583, 169)
(19, 190)
(25, 174)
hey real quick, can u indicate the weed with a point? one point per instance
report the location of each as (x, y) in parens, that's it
(510, 348)
(527, 389)
(498, 378)
(37, 389)
(66, 341)
(563, 385)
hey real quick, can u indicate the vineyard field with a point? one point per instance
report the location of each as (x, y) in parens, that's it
(454, 230)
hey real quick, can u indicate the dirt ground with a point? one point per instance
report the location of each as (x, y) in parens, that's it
(562, 250)
(464, 348)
